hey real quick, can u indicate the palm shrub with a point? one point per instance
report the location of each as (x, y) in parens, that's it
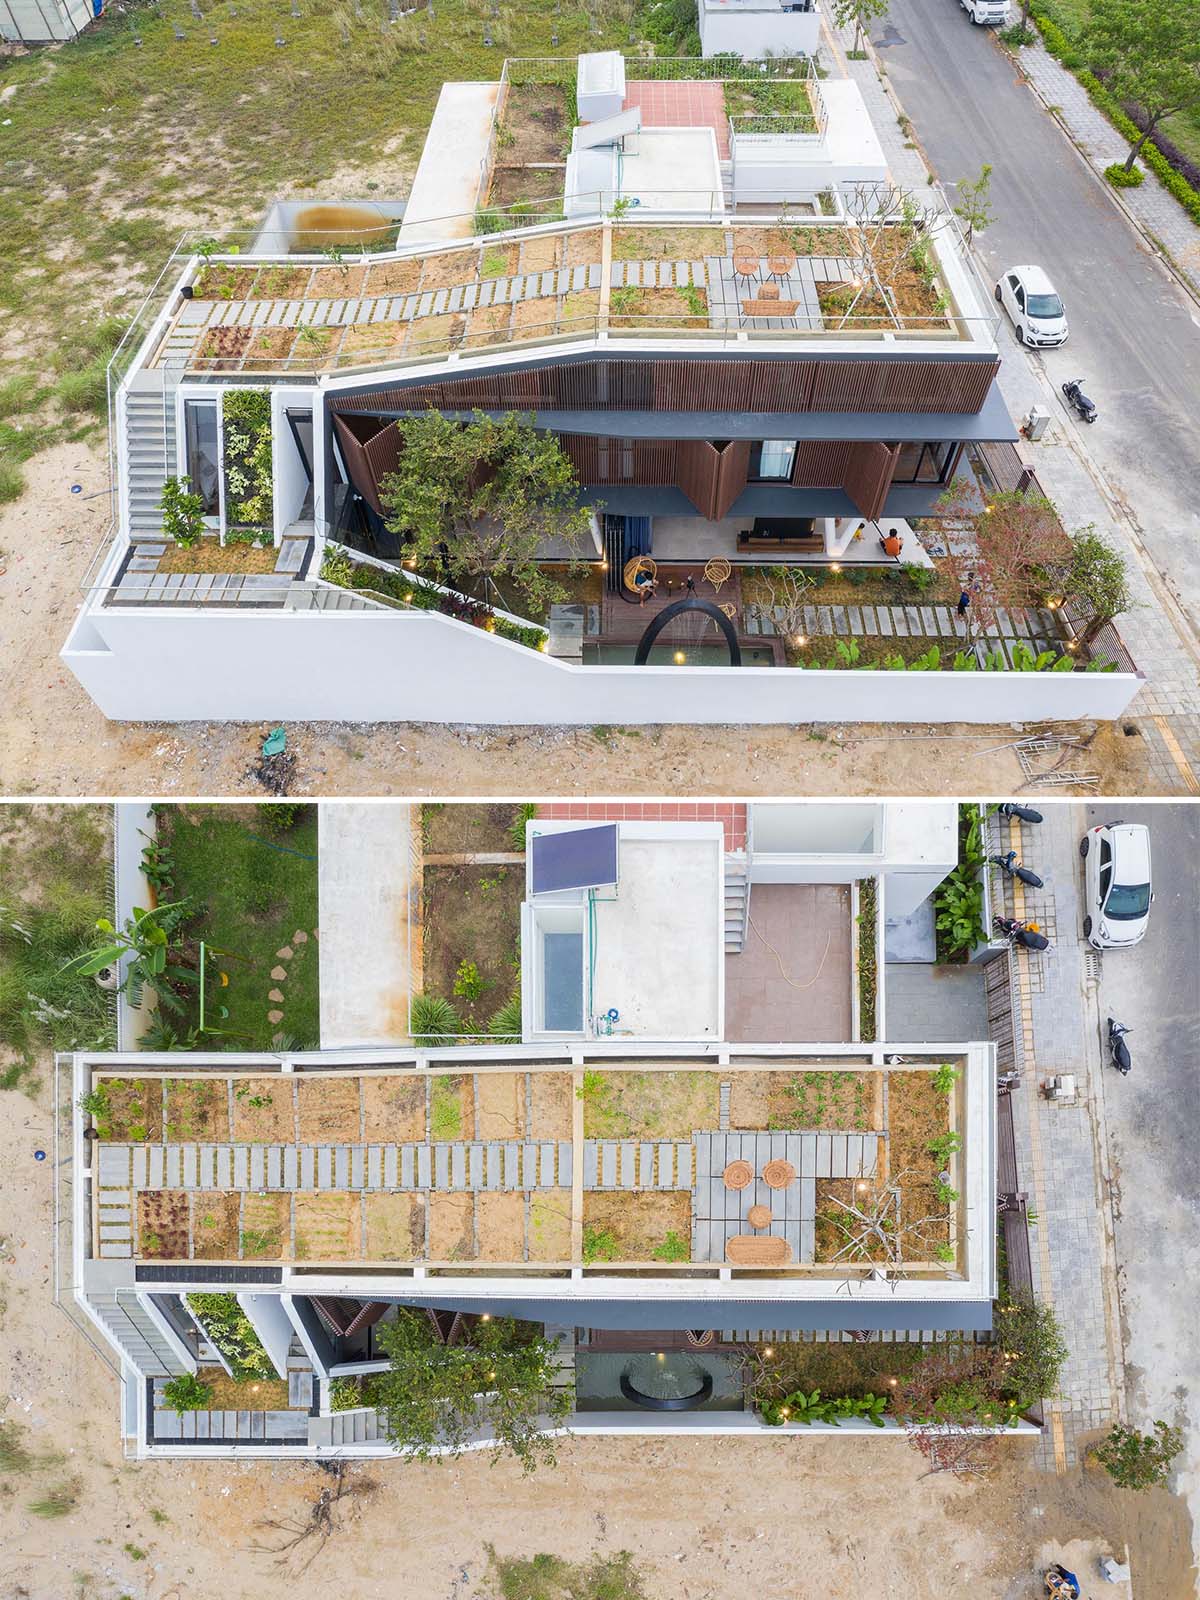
(432, 1020)
(506, 1024)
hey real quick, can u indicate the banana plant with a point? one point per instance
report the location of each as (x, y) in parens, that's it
(146, 941)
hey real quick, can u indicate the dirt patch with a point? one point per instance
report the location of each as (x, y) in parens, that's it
(263, 1111)
(499, 260)
(266, 1227)
(281, 283)
(394, 277)
(336, 283)
(649, 1105)
(535, 125)
(580, 304)
(681, 308)
(917, 1113)
(500, 1105)
(436, 333)
(328, 1226)
(395, 1227)
(668, 244)
(467, 829)
(219, 282)
(637, 1225)
(550, 1225)
(451, 270)
(162, 1220)
(375, 339)
(393, 1109)
(451, 1227)
(553, 1097)
(581, 249)
(271, 345)
(488, 326)
(541, 254)
(531, 317)
(258, 1394)
(197, 1110)
(216, 1235)
(512, 186)
(451, 1107)
(472, 915)
(225, 347)
(500, 1223)
(210, 556)
(329, 1111)
(848, 1101)
(133, 1110)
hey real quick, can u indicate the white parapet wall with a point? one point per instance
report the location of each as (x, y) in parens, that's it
(755, 29)
(391, 666)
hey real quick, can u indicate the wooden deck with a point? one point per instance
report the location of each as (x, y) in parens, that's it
(719, 1214)
(624, 621)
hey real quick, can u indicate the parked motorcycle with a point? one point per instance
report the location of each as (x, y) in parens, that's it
(1079, 401)
(1021, 933)
(1117, 1048)
(1006, 864)
(1010, 808)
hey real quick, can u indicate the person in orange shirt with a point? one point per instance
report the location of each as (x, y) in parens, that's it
(891, 546)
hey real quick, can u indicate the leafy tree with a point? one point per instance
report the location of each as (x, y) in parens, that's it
(500, 1379)
(974, 206)
(1096, 574)
(147, 939)
(480, 499)
(1015, 537)
(859, 12)
(183, 512)
(1136, 1460)
(1033, 1347)
(1148, 52)
(187, 1392)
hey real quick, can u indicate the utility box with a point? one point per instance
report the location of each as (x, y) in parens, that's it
(600, 85)
(1036, 422)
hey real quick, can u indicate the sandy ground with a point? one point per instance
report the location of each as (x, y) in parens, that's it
(764, 1518)
(53, 741)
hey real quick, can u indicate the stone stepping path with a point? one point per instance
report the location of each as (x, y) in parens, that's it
(637, 1164)
(276, 995)
(224, 1427)
(465, 1165)
(141, 583)
(1035, 628)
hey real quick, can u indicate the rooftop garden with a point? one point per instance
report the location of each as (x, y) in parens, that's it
(892, 1142)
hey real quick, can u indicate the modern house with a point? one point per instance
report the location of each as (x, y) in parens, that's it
(753, 349)
(759, 27)
(654, 1177)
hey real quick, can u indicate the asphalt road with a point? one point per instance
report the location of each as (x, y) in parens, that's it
(1135, 335)
(1153, 1125)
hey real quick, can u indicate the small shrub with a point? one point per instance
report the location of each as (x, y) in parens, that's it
(1016, 36)
(12, 480)
(59, 1502)
(186, 1392)
(506, 1024)
(1122, 177)
(516, 828)
(134, 1552)
(945, 1078)
(944, 1146)
(673, 1248)
(600, 1244)
(1136, 1460)
(279, 818)
(344, 1394)
(432, 1020)
(468, 982)
(15, 1455)
(1032, 1341)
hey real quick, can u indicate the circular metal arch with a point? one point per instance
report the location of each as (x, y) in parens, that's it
(683, 1402)
(675, 609)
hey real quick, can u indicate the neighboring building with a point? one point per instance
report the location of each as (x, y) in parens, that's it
(752, 349)
(43, 21)
(657, 1169)
(753, 28)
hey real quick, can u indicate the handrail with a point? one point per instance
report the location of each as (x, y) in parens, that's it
(719, 68)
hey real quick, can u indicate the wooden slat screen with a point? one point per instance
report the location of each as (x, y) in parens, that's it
(869, 475)
(821, 463)
(697, 464)
(915, 384)
(354, 453)
(733, 471)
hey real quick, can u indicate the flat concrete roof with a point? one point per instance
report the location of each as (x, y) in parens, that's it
(658, 946)
(672, 169)
(446, 186)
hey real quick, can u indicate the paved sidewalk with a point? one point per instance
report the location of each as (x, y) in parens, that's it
(1095, 137)
(1167, 710)
(1071, 1246)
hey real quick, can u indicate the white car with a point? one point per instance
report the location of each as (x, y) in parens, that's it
(1032, 302)
(992, 13)
(1116, 884)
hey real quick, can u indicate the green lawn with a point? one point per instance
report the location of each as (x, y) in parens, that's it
(112, 151)
(1071, 16)
(54, 884)
(256, 886)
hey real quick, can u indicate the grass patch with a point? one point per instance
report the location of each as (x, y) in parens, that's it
(53, 887)
(550, 1577)
(471, 918)
(649, 1105)
(56, 1502)
(254, 884)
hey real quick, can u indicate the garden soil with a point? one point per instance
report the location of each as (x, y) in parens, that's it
(771, 1518)
(53, 741)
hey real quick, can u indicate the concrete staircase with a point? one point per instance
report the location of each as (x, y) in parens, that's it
(140, 1342)
(345, 1428)
(737, 903)
(149, 429)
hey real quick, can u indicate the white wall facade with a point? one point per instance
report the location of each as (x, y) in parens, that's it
(42, 21)
(757, 31)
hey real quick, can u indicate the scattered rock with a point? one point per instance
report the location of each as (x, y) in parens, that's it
(274, 1017)
(299, 937)
(286, 953)
(276, 995)
(279, 974)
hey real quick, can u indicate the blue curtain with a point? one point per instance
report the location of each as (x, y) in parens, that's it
(637, 537)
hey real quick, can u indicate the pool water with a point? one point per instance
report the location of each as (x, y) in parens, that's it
(663, 655)
(674, 1373)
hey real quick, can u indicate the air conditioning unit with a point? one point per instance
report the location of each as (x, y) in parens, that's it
(1036, 423)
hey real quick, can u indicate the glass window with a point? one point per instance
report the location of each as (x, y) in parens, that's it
(203, 464)
(774, 459)
(1045, 305)
(923, 462)
(1127, 901)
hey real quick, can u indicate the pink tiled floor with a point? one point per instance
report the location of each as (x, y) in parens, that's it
(681, 105)
(729, 813)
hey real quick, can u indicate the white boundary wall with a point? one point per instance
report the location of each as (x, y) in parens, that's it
(385, 666)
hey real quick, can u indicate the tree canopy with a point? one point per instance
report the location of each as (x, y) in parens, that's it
(492, 491)
(1148, 52)
(436, 1396)
(1097, 576)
